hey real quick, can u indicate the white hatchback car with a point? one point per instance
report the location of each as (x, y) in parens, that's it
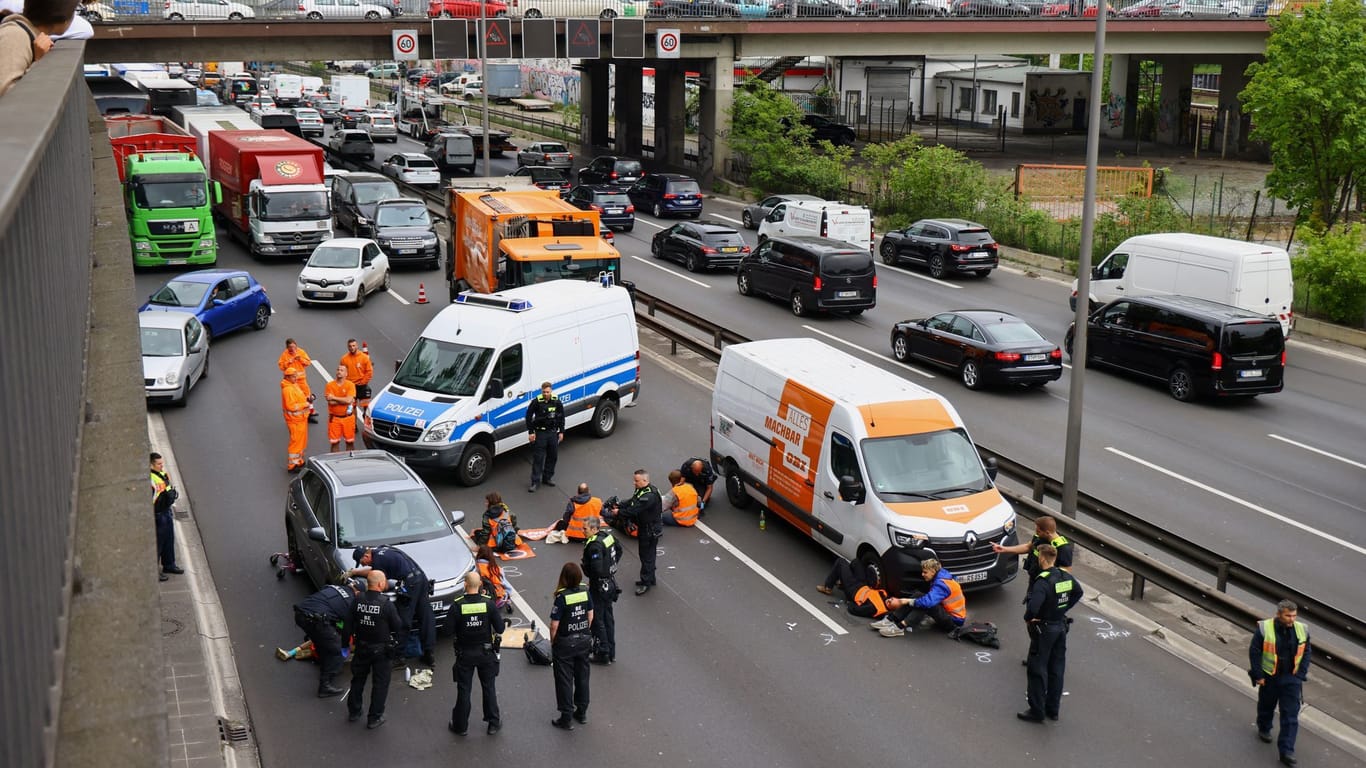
(175, 354)
(317, 10)
(206, 10)
(343, 271)
(412, 168)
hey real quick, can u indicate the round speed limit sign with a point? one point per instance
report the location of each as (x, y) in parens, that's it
(405, 45)
(668, 41)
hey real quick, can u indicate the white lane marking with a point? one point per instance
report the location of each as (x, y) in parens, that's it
(513, 594)
(919, 276)
(801, 602)
(736, 222)
(869, 352)
(1319, 451)
(670, 271)
(1241, 502)
(651, 223)
(319, 366)
(1352, 356)
(394, 293)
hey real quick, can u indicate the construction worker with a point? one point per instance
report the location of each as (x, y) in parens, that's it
(1051, 595)
(341, 411)
(412, 598)
(684, 508)
(571, 641)
(1279, 665)
(581, 506)
(359, 370)
(327, 618)
(295, 406)
(645, 509)
(699, 474)
(296, 357)
(862, 594)
(601, 554)
(943, 602)
(376, 622)
(478, 634)
(1045, 532)
(545, 432)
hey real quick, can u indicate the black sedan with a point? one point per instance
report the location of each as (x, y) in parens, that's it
(984, 346)
(702, 244)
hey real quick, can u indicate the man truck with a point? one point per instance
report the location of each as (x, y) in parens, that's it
(274, 197)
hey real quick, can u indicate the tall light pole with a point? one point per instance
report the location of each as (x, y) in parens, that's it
(1072, 457)
(483, 77)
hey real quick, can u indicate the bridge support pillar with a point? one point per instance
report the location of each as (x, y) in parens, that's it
(1120, 101)
(718, 94)
(1174, 106)
(1232, 81)
(593, 101)
(671, 114)
(628, 108)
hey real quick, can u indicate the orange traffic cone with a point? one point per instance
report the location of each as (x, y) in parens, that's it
(365, 347)
(421, 293)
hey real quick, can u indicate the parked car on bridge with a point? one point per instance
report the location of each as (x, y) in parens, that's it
(206, 10)
(699, 245)
(465, 9)
(1069, 10)
(570, 9)
(808, 9)
(1142, 9)
(989, 8)
(224, 300)
(1201, 9)
(548, 153)
(944, 246)
(672, 9)
(318, 10)
(175, 355)
(96, 11)
(893, 8)
(984, 346)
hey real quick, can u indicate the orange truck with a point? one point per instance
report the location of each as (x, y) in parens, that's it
(506, 239)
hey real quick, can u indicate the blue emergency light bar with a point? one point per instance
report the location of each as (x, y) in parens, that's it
(496, 302)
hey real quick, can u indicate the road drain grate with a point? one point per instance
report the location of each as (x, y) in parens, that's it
(233, 731)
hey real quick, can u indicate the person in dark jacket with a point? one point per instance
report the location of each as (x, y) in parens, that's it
(327, 618)
(478, 634)
(1051, 595)
(601, 553)
(376, 622)
(571, 618)
(545, 432)
(1278, 663)
(698, 473)
(862, 597)
(414, 589)
(646, 509)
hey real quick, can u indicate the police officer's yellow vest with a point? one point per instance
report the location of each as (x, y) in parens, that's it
(1058, 541)
(1269, 659)
(1062, 585)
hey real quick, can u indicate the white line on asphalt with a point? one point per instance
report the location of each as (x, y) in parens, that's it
(918, 276)
(736, 222)
(394, 293)
(651, 223)
(1241, 502)
(1319, 451)
(670, 271)
(513, 594)
(319, 366)
(869, 352)
(1354, 356)
(802, 602)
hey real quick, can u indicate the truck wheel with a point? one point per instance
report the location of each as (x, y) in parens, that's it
(735, 488)
(605, 418)
(262, 318)
(475, 464)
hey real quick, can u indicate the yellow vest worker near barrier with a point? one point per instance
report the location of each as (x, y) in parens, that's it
(1278, 663)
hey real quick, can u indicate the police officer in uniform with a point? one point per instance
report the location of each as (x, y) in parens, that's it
(545, 431)
(376, 622)
(601, 553)
(327, 618)
(570, 643)
(1051, 595)
(1045, 532)
(478, 634)
(413, 593)
(646, 508)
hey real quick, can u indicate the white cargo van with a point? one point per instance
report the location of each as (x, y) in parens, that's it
(460, 396)
(873, 467)
(452, 151)
(820, 218)
(1249, 276)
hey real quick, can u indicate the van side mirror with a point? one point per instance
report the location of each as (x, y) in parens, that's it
(217, 193)
(851, 489)
(494, 389)
(774, 216)
(1095, 272)
(991, 468)
(316, 533)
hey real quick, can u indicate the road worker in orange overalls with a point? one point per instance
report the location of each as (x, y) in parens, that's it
(359, 371)
(341, 411)
(295, 406)
(295, 356)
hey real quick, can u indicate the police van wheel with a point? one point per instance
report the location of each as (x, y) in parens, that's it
(475, 464)
(605, 418)
(735, 489)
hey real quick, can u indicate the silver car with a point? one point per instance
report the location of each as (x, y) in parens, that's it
(757, 212)
(1200, 9)
(175, 354)
(380, 126)
(551, 154)
(310, 121)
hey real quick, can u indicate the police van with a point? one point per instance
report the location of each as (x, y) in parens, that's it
(870, 465)
(460, 396)
(820, 218)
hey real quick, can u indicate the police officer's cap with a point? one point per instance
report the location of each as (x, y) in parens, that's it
(359, 553)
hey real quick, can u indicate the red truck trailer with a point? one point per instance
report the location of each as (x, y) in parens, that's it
(273, 190)
(131, 134)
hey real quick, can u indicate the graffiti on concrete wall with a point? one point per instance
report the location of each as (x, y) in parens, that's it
(553, 85)
(1048, 108)
(1114, 110)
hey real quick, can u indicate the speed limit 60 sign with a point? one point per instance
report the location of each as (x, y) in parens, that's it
(405, 45)
(668, 43)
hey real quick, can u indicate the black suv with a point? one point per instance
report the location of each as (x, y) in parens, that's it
(943, 245)
(811, 274)
(341, 501)
(1198, 347)
(354, 197)
(613, 206)
(609, 169)
(405, 232)
(704, 244)
(666, 194)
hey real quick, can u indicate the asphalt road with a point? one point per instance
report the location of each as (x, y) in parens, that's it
(717, 666)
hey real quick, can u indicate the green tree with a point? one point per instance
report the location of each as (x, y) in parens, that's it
(767, 136)
(1308, 103)
(1333, 269)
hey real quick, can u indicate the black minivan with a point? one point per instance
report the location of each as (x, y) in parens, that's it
(812, 274)
(1198, 347)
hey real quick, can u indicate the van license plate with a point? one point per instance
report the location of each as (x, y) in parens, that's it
(971, 577)
(1035, 358)
(405, 251)
(846, 294)
(1253, 373)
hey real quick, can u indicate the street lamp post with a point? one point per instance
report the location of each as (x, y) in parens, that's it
(484, 78)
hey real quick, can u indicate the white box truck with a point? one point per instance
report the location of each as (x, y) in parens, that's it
(820, 218)
(351, 90)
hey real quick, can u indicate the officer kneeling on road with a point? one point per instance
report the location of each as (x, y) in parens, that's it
(478, 635)
(327, 618)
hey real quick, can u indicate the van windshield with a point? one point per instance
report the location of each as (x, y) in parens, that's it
(1255, 338)
(847, 264)
(935, 465)
(444, 368)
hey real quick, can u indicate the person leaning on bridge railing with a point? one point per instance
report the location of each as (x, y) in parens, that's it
(25, 36)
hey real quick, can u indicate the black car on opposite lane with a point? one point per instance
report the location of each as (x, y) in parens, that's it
(405, 232)
(944, 246)
(614, 207)
(698, 245)
(984, 346)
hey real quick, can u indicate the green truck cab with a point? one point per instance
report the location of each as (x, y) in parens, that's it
(169, 202)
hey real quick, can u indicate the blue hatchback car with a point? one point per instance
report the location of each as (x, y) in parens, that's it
(667, 194)
(223, 299)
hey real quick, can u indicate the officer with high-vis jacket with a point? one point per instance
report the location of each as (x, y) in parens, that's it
(601, 553)
(1045, 532)
(571, 618)
(478, 634)
(327, 618)
(545, 431)
(1051, 595)
(645, 509)
(1279, 665)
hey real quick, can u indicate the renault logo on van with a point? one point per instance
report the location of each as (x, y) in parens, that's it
(970, 539)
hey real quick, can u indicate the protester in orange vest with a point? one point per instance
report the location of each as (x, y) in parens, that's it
(500, 526)
(359, 371)
(944, 603)
(495, 583)
(295, 407)
(341, 411)
(682, 506)
(862, 595)
(296, 357)
(581, 506)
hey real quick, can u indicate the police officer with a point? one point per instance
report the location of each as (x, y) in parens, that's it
(327, 618)
(413, 593)
(601, 553)
(376, 622)
(1051, 595)
(1045, 532)
(698, 473)
(570, 643)
(646, 508)
(478, 634)
(545, 431)
(164, 497)
(1279, 664)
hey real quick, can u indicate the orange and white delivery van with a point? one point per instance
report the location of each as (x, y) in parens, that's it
(868, 464)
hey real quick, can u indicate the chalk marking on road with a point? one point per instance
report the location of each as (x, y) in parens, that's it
(802, 602)
(1319, 451)
(670, 271)
(918, 276)
(394, 293)
(513, 594)
(737, 222)
(1230, 497)
(869, 352)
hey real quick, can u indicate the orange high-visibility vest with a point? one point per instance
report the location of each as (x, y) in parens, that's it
(866, 594)
(686, 513)
(954, 604)
(293, 401)
(582, 512)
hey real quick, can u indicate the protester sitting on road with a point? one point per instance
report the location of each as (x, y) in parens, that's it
(581, 506)
(500, 525)
(863, 599)
(495, 582)
(944, 604)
